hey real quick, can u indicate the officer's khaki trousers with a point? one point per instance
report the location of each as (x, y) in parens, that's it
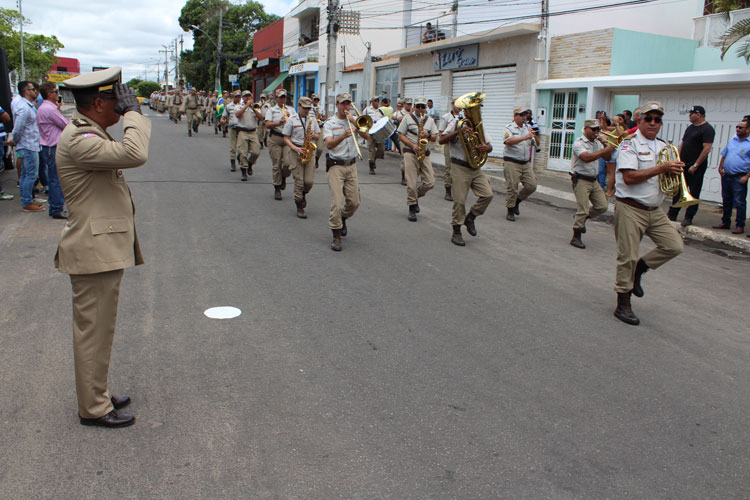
(515, 173)
(261, 131)
(344, 194)
(233, 143)
(95, 299)
(447, 175)
(192, 118)
(321, 145)
(376, 150)
(465, 178)
(585, 191)
(630, 225)
(413, 171)
(248, 147)
(304, 174)
(277, 149)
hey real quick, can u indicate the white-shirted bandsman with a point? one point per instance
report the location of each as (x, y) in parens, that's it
(376, 149)
(276, 117)
(448, 119)
(247, 134)
(414, 169)
(518, 140)
(300, 128)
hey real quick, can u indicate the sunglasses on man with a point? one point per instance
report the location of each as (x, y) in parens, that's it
(650, 118)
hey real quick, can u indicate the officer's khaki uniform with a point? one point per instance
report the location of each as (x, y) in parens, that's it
(191, 112)
(464, 178)
(520, 170)
(97, 242)
(446, 120)
(230, 111)
(342, 179)
(262, 124)
(321, 143)
(376, 149)
(399, 115)
(276, 145)
(586, 186)
(414, 170)
(247, 136)
(170, 107)
(632, 222)
(177, 104)
(304, 174)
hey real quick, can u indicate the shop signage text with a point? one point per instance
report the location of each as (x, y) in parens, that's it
(456, 57)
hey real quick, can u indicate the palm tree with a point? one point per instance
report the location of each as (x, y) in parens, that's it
(737, 32)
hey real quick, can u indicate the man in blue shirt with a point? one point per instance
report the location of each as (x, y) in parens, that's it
(26, 140)
(734, 169)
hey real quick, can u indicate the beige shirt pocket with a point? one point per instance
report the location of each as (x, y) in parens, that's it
(113, 238)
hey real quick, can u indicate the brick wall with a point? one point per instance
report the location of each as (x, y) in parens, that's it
(581, 54)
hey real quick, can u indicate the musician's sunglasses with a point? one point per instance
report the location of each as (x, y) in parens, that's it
(650, 118)
(421, 105)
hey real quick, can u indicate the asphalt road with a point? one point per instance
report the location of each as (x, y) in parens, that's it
(403, 367)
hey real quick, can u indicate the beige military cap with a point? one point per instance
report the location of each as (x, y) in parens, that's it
(96, 81)
(518, 110)
(651, 106)
(408, 100)
(591, 123)
(343, 96)
(420, 100)
(315, 96)
(280, 93)
(375, 98)
(246, 92)
(305, 102)
(236, 93)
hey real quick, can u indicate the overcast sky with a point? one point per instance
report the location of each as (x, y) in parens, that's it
(115, 32)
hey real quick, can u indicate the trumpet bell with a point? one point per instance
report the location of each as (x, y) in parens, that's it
(686, 199)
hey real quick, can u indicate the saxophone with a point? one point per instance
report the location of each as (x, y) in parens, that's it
(422, 144)
(309, 146)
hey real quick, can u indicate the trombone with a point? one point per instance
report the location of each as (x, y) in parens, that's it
(363, 122)
(354, 137)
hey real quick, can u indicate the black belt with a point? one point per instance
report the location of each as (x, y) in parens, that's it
(463, 163)
(736, 175)
(246, 129)
(274, 132)
(635, 204)
(513, 160)
(590, 178)
(407, 149)
(343, 163)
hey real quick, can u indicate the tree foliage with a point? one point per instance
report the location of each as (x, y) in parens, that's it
(133, 82)
(738, 33)
(39, 51)
(145, 89)
(240, 22)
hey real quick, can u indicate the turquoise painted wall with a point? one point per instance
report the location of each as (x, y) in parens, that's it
(636, 53)
(623, 102)
(709, 58)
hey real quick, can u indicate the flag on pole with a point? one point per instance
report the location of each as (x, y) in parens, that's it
(219, 104)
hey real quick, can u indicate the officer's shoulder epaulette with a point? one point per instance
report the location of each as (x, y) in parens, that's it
(80, 122)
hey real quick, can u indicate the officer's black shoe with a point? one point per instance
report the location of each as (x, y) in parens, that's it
(344, 231)
(244, 174)
(448, 194)
(232, 165)
(111, 420)
(276, 193)
(120, 402)
(624, 312)
(283, 183)
(416, 208)
(576, 241)
(457, 239)
(469, 223)
(640, 268)
(511, 214)
(412, 213)
(300, 209)
(515, 210)
(336, 243)
(372, 168)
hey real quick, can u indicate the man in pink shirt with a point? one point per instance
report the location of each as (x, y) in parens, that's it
(51, 124)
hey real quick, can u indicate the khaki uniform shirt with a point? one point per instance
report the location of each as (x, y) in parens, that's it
(519, 151)
(639, 153)
(248, 120)
(457, 148)
(410, 128)
(99, 234)
(334, 127)
(177, 99)
(191, 102)
(296, 128)
(229, 113)
(583, 145)
(274, 115)
(375, 114)
(446, 120)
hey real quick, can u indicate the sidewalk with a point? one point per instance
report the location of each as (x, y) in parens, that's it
(557, 185)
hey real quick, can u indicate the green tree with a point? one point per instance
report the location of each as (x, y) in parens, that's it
(133, 82)
(144, 89)
(240, 22)
(39, 51)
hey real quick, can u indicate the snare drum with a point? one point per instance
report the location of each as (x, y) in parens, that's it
(382, 130)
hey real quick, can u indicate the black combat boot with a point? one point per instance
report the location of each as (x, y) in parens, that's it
(457, 239)
(372, 168)
(344, 230)
(576, 241)
(190, 134)
(515, 209)
(232, 165)
(511, 214)
(244, 174)
(300, 209)
(469, 223)
(624, 312)
(276, 193)
(448, 194)
(640, 268)
(336, 243)
(403, 179)
(412, 213)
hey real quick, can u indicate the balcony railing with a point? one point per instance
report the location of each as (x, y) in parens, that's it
(709, 29)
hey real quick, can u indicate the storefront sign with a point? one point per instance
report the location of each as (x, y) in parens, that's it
(59, 77)
(232, 78)
(456, 57)
(303, 68)
(284, 63)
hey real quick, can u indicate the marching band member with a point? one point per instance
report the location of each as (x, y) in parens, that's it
(247, 134)
(276, 118)
(414, 128)
(452, 116)
(301, 131)
(229, 120)
(320, 114)
(376, 149)
(517, 167)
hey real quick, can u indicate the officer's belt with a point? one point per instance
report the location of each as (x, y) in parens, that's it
(635, 204)
(344, 163)
(245, 129)
(513, 160)
(275, 132)
(590, 178)
(407, 149)
(463, 163)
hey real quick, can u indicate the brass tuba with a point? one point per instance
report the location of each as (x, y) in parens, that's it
(471, 105)
(673, 184)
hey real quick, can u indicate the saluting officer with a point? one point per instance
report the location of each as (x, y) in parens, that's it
(299, 129)
(447, 120)
(99, 238)
(191, 112)
(341, 165)
(517, 167)
(247, 133)
(276, 117)
(409, 134)
(584, 170)
(376, 149)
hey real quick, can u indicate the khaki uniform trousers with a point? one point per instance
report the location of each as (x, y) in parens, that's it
(95, 298)
(413, 171)
(344, 194)
(233, 132)
(465, 178)
(630, 225)
(584, 191)
(248, 147)
(447, 175)
(277, 149)
(261, 131)
(174, 112)
(376, 149)
(192, 118)
(321, 145)
(515, 173)
(304, 174)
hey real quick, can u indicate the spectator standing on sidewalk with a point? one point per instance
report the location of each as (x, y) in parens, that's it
(26, 140)
(734, 169)
(4, 118)
(51, 124)
(694, 149)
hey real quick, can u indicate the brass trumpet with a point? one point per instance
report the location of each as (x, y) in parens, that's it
(612, 138)
(363, 122)
(672, 184)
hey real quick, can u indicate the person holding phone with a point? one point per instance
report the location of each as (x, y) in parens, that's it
(51, 124)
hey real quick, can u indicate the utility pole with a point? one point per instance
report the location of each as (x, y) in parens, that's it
(181, 50)
(176, 63)
(332, 32)
(542, 45)
(23, 63)
(366, 74)
(166, 66)
(217, 82)
(454, 8)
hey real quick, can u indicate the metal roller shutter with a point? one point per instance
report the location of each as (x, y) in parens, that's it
(429, 88)
(499, 87)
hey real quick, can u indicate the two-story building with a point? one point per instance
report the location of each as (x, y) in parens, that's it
(268, 49)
